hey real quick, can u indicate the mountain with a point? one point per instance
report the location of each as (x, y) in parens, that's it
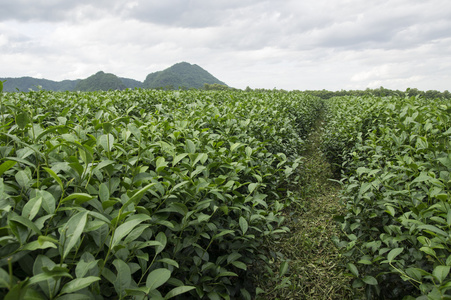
(24, 84)
(180, 75)
(131, 83)
(100, 81)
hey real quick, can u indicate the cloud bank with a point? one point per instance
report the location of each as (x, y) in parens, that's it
(344, 44)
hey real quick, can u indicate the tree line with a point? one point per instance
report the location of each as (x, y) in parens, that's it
(379, 92)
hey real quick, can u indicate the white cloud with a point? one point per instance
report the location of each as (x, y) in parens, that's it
(285, 44)
(3, 40)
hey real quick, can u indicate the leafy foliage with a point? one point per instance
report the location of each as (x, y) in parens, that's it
(380, 92)
(144, 193)
(216, 86)
(394, 155)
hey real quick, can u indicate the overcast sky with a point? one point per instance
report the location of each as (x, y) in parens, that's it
(284, 44)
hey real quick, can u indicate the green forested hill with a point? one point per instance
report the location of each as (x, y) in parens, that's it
(131, 83)
(100, 81)
(24, 84)
(181, 75)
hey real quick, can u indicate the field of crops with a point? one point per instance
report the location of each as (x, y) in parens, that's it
(151, 194)
(145, 194)
(395, 157)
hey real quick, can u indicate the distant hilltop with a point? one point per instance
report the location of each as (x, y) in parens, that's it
(179, 76)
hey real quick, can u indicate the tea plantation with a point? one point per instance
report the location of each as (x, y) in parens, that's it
(150, 194)
(144, 193)
(394, 154)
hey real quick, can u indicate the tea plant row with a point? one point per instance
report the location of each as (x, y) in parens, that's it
(394, 154)
(145, 194)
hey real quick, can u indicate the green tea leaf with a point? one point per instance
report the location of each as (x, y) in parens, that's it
(53, 174)
(240, 265)
(22, 179)
(79, 197)
(370, 280)
(107, 141)
(169, 262)
(213, 296)
(441, 272)
(227, 274)
(446, 161)
(108, 275)
(248, 151)
(415, 273)
(31, 208)
(78, 284)
(24, 221)
(126, 227)
(37, 245)
(246, 295)
(224, 232)
(190, 147)
(180, 184)
(104, 192)
(47, 281)
(252, 187)
(161, 237)
(18, 291)
(390, 210)
(157, 278)
(178, 291)
(428, 250)
(178, 158)
(6, 166)
(123, 277)
(243, 225)
(433, 229)
(108, 127)
(103, 164)
(161, 164)
(48, 201)
(44, 238)
(72, 296)
(83, 267)
(22, 120)
(393, 253)
(22, 161)
(283, 268)
(134, 130)
(50, 130)
(233, 257)
(141, 291)
(353, 269)
(149, 244)
(137, 196)
(72, 231)
(234, 146)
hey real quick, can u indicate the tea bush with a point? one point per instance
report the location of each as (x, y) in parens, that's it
(144, 194)
(395, 159)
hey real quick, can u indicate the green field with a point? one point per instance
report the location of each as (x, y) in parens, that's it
(150, 194)
(395, 157)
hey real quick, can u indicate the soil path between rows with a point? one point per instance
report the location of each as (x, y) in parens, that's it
(316, 268)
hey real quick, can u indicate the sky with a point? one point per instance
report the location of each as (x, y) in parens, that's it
(283, 44)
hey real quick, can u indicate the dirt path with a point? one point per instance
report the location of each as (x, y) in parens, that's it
(316, 268)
